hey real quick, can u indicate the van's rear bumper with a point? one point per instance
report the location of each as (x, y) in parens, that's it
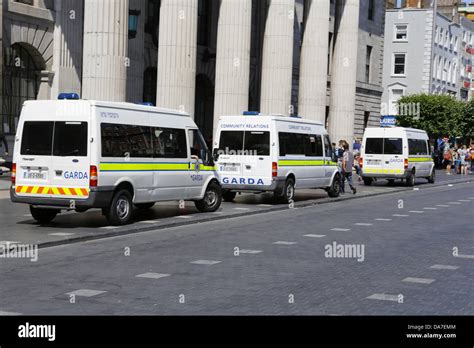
(401, 175)
(98, 198)
(278, 184)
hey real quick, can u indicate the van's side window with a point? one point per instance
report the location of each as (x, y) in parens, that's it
(37, 138)
(327, 147)
(169, 143)
(418, 147)
(257, 143)
(198, 145)
(119, 140)
(291, 144)
(314, 146)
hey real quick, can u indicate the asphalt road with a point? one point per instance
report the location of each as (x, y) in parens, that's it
(416, 257)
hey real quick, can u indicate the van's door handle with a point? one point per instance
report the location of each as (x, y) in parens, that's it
(248, 167)
(75, 160)
(261, 158)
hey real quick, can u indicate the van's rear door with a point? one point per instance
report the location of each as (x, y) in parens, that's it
(373, 160)
(70, 162)
(35, 161)
(393, 162)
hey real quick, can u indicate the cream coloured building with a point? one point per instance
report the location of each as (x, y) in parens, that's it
(318, 59)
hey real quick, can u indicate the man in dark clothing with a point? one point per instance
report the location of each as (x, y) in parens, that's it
(4, 141)
(347, 164)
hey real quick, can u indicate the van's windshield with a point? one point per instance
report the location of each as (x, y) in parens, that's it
(62, 139)
(384, 146)
(245, 143)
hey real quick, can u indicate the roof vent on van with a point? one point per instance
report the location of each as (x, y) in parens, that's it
(251, 113)
(68, 96)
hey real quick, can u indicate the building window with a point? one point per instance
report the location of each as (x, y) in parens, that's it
(368, 59)
(133, 16)
(371, 13)
(27, 2)
(401, 32)
(396, 94)
(399, 61)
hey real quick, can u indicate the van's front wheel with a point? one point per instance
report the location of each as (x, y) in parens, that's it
(120, 211)
(212, 199)
(42, 215)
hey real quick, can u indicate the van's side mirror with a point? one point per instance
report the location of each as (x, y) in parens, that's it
(215, 155)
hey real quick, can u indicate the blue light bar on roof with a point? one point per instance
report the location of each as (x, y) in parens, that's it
(251, 113)
(68, 96)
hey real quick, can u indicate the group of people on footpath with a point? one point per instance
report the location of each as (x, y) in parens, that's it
(458, 157)
(346, 160)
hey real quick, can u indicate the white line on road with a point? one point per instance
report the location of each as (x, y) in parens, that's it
(384, 297)
(86, 292)
(400, 215)
(5, 242)
(248, 251)
(264, 205)
(464, 200)
(149, 222)
(462, 256)
(444, 267)
(183, 217)
(151, 275)
(2, 313)
(340, 229)
(454, 203)
(416, 211)
(109, 227)
(61, 234)
(205, 262)
(363, 224)
(284, 243)
(418, 280)
(428, 208)
(383, 219)
(242, 208)
(442, 205)
(315, 235)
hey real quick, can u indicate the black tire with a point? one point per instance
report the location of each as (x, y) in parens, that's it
(391, 182)
(288, 194)
(228, 196)
(145, 206)
(368, 181)
(335, 190)
(410, 180)
(42, 215)
(212, 199)
(120, 211)
(432, 177)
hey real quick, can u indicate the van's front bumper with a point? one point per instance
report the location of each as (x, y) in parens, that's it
(98, 198)
(278, 184)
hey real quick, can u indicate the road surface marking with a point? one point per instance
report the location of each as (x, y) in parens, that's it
(471, 198)
(428, 208)
(285, 243)
(242, 208)
(2, 313)
(384, 297)
(109, 227)
(363, 224)
(315, 235)
(217, 212)
(340, 229)
(416, 189)
(248, 251)
(27, 215)
(383, 219)
(465, 256)
(418, 280)
(450, 185)
(265, 205)
(417, 212)
(151, 275)
(61, 234)
(86, 292)
(205, 262)
(183, 217)
(400, 215)
(444, 267)
(5, 242)
(442, 205)
(464, 200)
(149, 221)
(454, 203)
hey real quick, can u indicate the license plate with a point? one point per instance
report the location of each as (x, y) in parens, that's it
(232, 169)
(373, 162)
(31, 175)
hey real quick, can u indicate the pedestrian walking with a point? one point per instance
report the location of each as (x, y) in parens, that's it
(4, 141)
(462, 155)
(347, 165)
(448, 157)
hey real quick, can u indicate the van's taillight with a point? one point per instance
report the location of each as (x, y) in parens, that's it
(94, 176)
(406, 163)
(13, 176)
(361, 162)
(274, 169)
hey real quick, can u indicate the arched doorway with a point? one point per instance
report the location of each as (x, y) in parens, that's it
(204, 106)
(22, 65)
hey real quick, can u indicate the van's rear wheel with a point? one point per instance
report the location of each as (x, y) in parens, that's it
(120, 211)
(335, 188)
(212, 199)
(410, 179)
(288, 191)
(391, 182)
(144, 206)
(368, 181)
(228, 196)
(42, 215)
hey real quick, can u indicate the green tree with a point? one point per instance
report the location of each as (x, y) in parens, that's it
(436, 114)
(467, 121)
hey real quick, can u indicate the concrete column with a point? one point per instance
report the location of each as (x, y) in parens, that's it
(277, 66)
(45, 79)
(136, 53)
(344, 73)
(67, 56)
(177, 55)
(105, 50)
(314, 62)
(233, 58)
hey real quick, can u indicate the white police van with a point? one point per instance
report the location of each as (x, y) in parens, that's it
(258, 153)
(77, 154)
(396, 153)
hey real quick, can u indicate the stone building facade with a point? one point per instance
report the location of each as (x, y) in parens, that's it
(319, 59)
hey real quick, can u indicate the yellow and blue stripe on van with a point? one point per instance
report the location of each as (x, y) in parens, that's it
(152, 167)
(420, 159)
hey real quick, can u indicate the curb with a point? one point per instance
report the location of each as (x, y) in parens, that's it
(141, 229)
